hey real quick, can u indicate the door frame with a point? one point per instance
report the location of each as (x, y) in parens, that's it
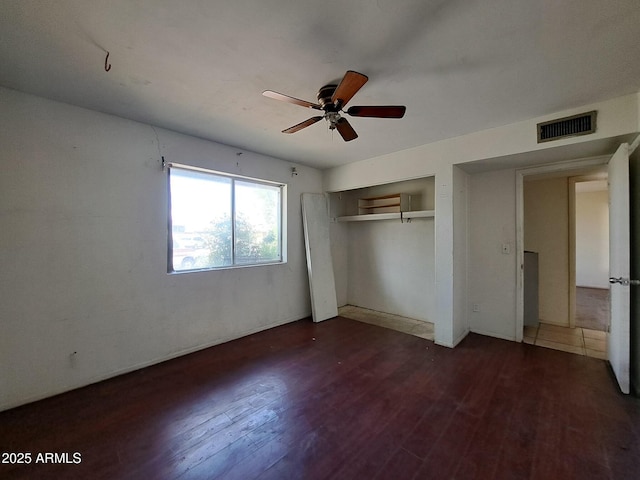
(576, 168)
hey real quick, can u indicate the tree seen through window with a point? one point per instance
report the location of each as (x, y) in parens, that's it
(220, 221)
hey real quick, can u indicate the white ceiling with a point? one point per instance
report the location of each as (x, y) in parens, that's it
(199, 67)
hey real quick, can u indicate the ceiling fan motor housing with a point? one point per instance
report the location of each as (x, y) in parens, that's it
(332, 99)
(324, 98)
(331, 110)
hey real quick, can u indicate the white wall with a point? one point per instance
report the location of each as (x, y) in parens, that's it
(546, 231)
(83, 246)
(510, 146)
(460, 254)
(339, 238)
(499, 150)
(391, 267)
(83, 206)
(592, 238)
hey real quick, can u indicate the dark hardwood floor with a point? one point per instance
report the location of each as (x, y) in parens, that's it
(339, 400)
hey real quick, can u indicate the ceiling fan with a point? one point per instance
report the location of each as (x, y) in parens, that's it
(332, 99)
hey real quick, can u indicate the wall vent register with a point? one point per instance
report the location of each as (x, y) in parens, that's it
(582, 124)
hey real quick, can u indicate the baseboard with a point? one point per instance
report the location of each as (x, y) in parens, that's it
(139, 366)
(494, 335)
(461, 337)
(563, 325)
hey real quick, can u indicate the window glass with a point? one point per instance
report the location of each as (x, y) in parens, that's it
(257, 223)
(222, 221)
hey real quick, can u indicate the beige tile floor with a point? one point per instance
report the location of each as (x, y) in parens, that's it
(419, 328)
(581, 341)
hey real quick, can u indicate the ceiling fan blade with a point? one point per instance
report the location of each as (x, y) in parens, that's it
(302, 125)
(386, 111)
(288, 99)
(349, 85)
(346, 130)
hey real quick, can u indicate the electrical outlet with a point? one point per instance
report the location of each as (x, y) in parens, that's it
(476, 307)
(506, 248)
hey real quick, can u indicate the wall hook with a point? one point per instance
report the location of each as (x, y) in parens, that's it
(107, 66)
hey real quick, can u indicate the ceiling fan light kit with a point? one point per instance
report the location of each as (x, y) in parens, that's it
(332, 99)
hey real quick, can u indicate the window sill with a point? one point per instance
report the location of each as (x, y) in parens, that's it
(230, 267)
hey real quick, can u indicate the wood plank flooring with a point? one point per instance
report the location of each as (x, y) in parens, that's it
(340, 399)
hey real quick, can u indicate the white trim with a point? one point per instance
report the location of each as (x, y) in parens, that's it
(633, 145)
(519, 256)
(571, 185)
(487, 333)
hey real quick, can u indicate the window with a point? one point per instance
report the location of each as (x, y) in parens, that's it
(220, 221)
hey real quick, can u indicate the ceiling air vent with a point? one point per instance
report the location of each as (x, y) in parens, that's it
(582, 124)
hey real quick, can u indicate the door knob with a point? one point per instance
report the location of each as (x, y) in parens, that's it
(623, 281)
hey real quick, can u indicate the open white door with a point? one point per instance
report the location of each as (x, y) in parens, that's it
(315, 221)
(618, 342)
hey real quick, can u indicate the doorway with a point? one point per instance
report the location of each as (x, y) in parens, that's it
(589, 294)
(557, 231)
(623, 172)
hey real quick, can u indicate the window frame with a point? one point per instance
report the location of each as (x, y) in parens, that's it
(281, 218)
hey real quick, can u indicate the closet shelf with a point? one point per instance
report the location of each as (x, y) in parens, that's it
(387, 216)
(380, 206)
(396, 203)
